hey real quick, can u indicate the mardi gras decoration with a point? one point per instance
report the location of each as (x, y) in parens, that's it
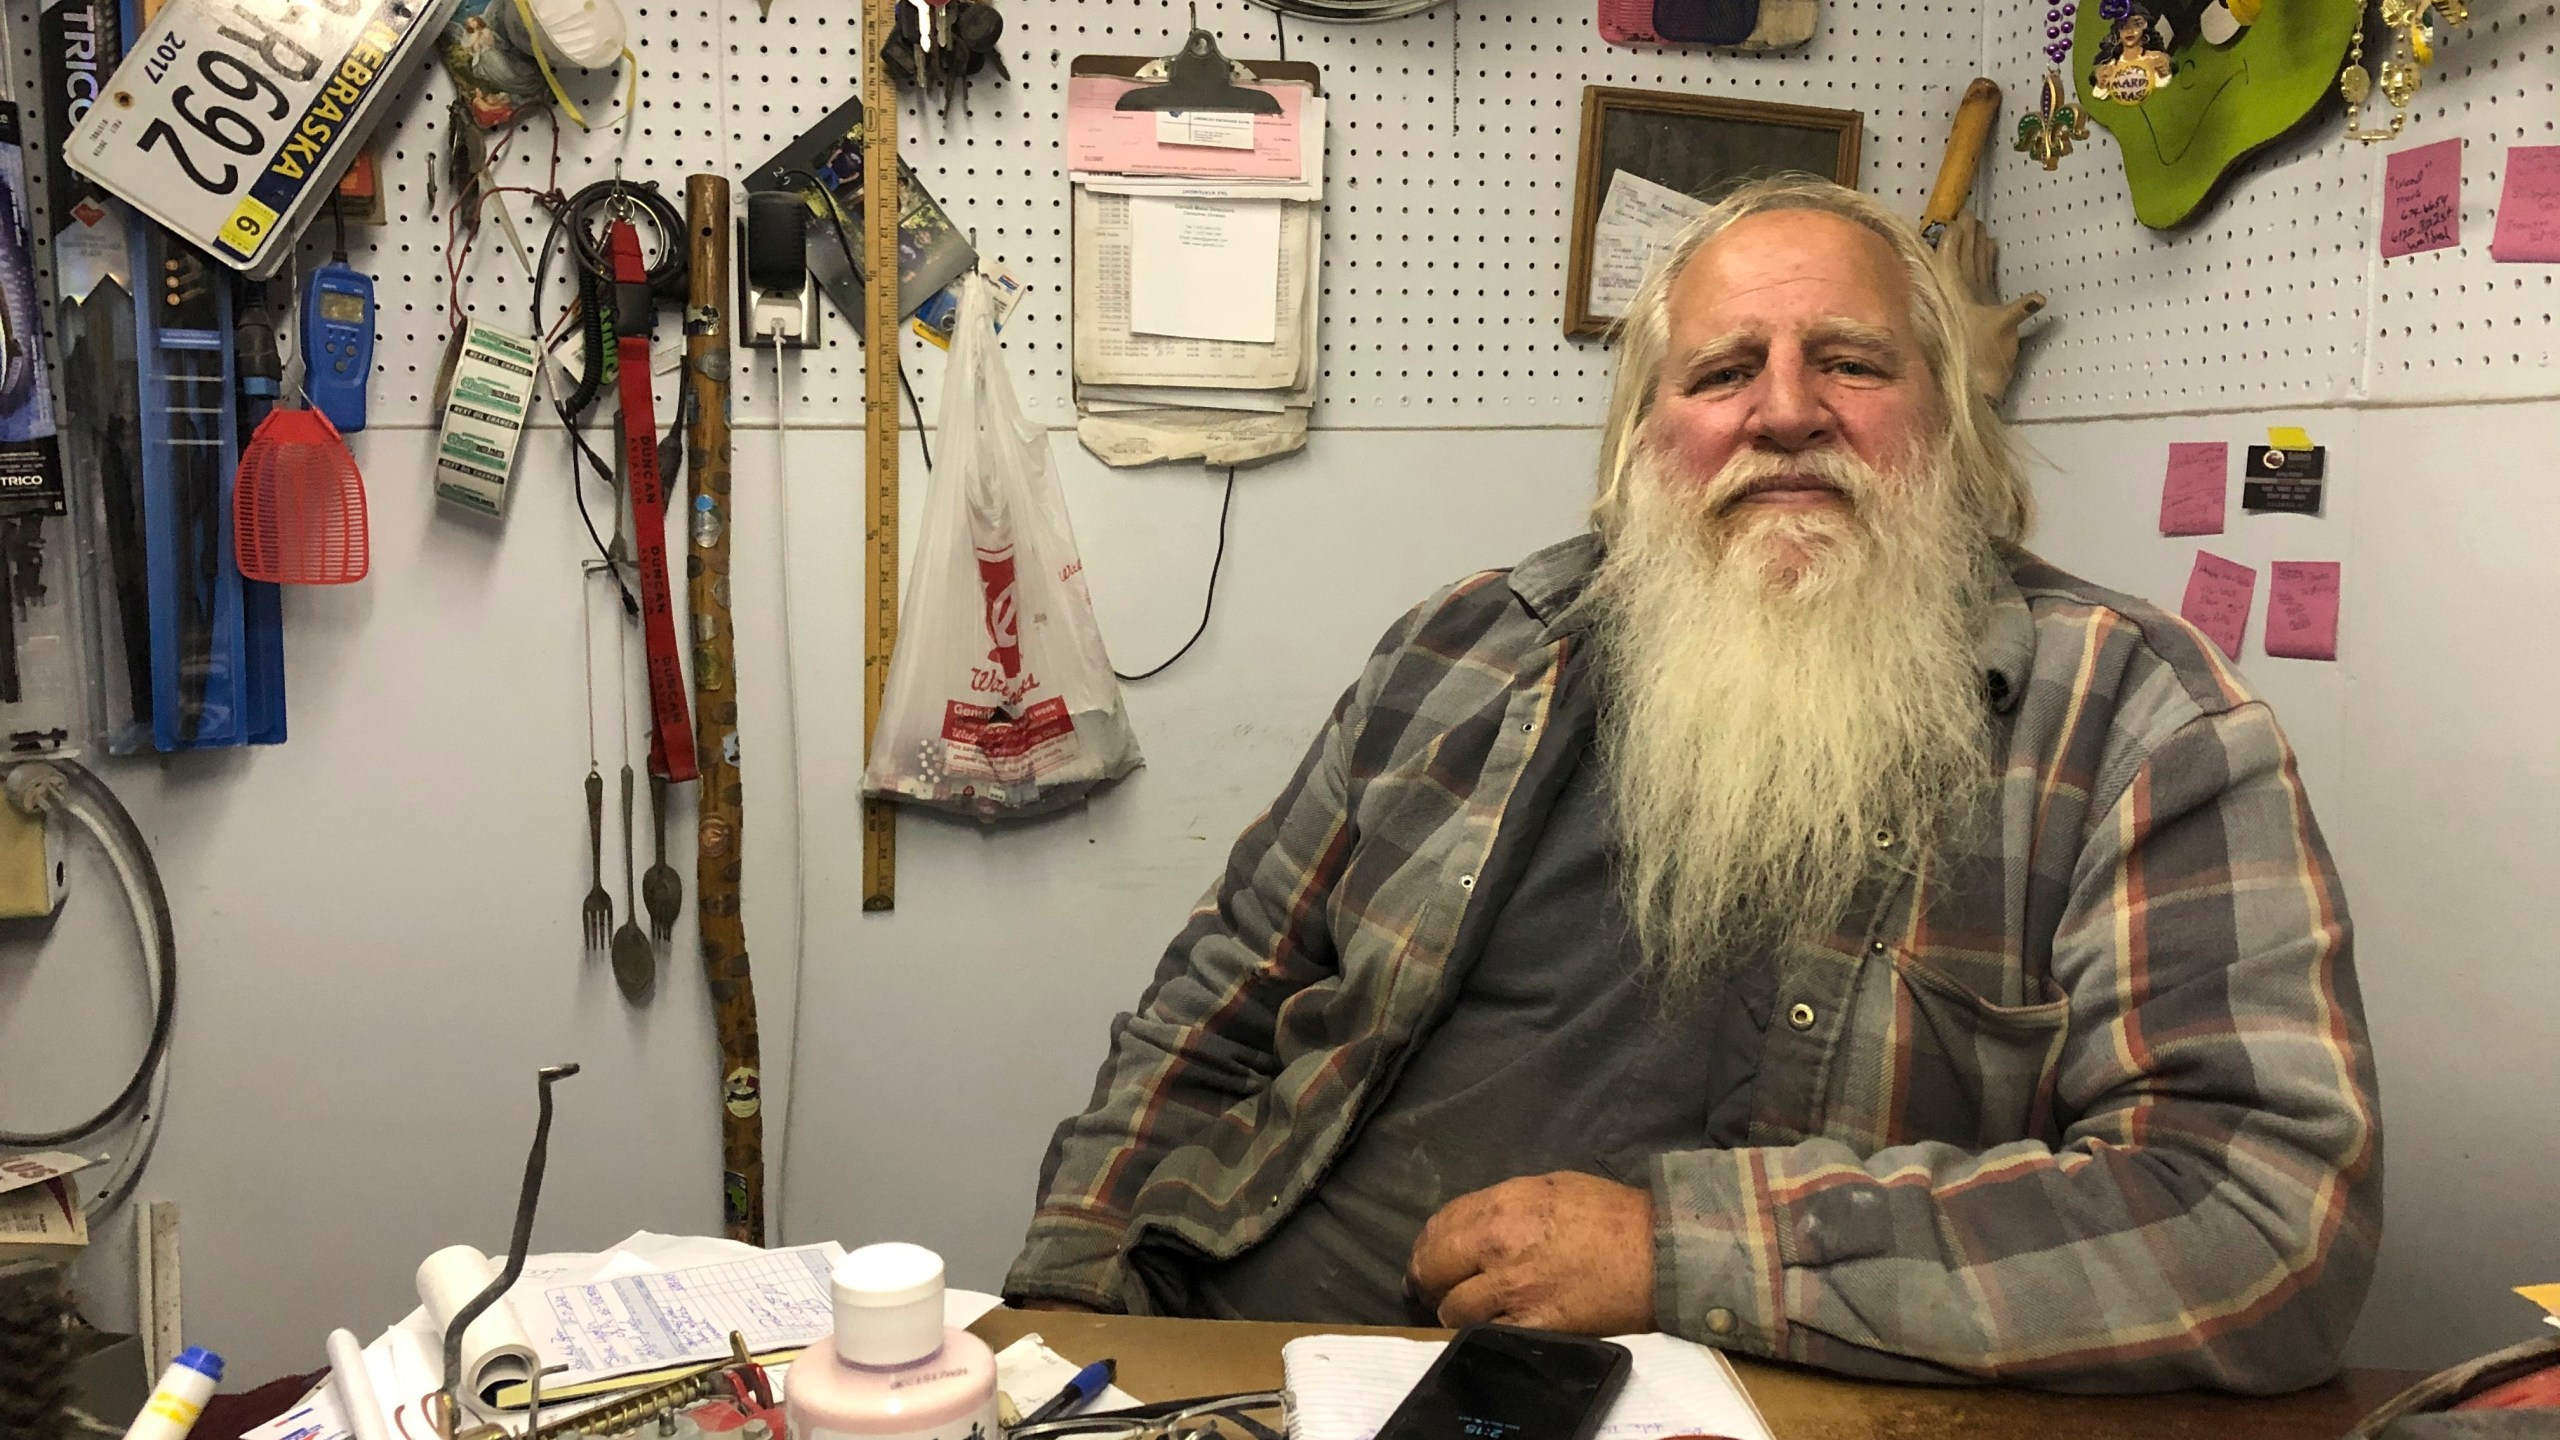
(2412, 27)
(2128, 67)
(2047, 131)
(2190, 88)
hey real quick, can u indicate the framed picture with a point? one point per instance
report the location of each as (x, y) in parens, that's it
(1648, 156)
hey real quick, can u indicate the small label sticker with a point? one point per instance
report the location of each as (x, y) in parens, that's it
(1217, 129)
(2283, 482)
(744, 1092)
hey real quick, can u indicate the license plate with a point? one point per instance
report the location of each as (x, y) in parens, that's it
(230, 121)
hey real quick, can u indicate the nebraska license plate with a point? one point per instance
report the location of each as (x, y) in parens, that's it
(230, 120)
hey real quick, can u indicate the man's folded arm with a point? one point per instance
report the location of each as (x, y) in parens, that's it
(2211, 1214)
(1202, 1038)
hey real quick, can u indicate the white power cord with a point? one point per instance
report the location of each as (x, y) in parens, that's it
(781, 1139)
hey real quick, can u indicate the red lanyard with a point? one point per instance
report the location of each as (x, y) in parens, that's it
(671, 754)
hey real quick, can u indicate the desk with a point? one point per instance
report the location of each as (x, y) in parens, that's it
(1168, 1359)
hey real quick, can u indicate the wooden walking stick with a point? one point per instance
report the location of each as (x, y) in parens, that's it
(722, 834)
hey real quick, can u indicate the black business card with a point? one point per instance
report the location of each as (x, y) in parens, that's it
(2283, 481)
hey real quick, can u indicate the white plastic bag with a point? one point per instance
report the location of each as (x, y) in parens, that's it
(1000, 699)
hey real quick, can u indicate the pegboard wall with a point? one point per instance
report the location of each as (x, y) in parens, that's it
(2275, 294)
(1450, 169)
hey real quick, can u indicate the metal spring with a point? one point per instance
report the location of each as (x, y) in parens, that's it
(633, 1411)
(639, 1408)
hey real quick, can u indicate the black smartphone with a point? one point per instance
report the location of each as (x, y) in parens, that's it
(1499, 1382)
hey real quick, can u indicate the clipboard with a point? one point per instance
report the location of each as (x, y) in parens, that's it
(1126, 67)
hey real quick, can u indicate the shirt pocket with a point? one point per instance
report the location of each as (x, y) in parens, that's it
(1974, 1072)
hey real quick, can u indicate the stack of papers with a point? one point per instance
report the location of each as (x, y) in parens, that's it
(1638, 222)
(650, 1308)
(1343, 1387)
(1196, 248)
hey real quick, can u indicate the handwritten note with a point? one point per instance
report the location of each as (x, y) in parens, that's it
(2529, 207)
(2217, 603)
(777, 1300)
(2191, 502)
(2302, 609)
(2422, 198)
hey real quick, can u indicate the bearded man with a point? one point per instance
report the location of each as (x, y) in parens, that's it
(1791, 916)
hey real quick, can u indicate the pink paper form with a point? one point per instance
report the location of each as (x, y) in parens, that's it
(2192, 499)
(1123, 142)
(2529, 206)
(2422, 198)
(2302, 609)
(2217, 603)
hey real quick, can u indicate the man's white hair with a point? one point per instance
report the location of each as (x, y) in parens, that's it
(1991, 487)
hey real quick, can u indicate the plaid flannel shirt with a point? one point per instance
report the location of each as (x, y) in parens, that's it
(2086, 1102)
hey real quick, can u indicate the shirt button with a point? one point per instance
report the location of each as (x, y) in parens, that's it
(1720, 1320)
(1875, 947)
(1800, 1015)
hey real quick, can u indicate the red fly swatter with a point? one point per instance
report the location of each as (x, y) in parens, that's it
(297, 506)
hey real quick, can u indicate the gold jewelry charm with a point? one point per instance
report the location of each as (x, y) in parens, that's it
(2411, 23)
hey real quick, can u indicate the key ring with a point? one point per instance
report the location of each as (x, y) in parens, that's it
(618, 207)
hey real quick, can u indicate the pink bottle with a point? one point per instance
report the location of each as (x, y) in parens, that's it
(895, 1371)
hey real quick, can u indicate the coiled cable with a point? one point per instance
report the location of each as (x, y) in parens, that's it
(65, 788)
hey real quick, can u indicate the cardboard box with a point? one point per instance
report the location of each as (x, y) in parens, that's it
(40, 1208)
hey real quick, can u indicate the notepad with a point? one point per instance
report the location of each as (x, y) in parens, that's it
(778, 1300)
(1343, 1387)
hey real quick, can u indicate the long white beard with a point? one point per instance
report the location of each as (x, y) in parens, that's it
(1779, 690)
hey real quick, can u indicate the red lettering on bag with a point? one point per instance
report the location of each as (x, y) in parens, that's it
(995, 582)
(1006, 739)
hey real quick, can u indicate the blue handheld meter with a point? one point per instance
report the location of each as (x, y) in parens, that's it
(337, 342)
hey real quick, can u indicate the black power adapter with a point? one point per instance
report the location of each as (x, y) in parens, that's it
(780, 304)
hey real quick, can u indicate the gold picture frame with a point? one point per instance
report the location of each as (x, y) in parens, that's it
(1697, 145)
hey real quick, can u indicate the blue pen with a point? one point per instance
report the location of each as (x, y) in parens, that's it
(1089, 1382)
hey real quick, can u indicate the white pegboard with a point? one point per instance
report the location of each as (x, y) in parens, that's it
(2276, 294)
(1450, 160)
(2256, 304)
(2454, 324)
(1449, 182)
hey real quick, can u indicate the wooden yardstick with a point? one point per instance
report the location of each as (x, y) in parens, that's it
(882, 200)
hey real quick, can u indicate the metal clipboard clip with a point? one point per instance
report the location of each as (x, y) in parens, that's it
(1199, 77)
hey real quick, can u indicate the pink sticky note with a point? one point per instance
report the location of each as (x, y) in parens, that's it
(2302, 609)
(2422, 198)
(1105, 138)
(2191, 502)
(2217, 603)
(2529, 206)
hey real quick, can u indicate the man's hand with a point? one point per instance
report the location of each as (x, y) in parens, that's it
(1969, 260)
(1553, 1252)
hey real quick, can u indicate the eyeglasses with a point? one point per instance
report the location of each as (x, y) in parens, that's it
(1193, 1419)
